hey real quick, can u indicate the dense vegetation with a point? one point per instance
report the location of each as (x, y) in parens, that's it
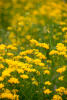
(33, 50)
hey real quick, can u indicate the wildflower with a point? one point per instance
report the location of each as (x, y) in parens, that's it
(1, 85)
(24, 76)
(57, 97)
(47, 83)
(60, 70)
(60, 89)
(46, 72)
(65, 92)
(47, 91)
(61, 78)
(60, 47)
(10, 54)
(35, 83)
(1, 78)
(53, 52)
(6, 94)
(1, 66)
(13, 80)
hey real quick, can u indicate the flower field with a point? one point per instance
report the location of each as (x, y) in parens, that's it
(33, 50)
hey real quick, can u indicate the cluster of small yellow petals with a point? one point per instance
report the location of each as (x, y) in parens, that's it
(35, 82)
(49, 61)
(61, 47)
(30, 51)
(2, 47)
(24, 76)
(60, 89)
(47, 83)
(14, 91)
(65, 92)
(64, 29)
(52, 52)
(61, 50)
(61, 78)
(28, 59)
(8, 95)
(13, 80)
(5, 73)
(1, 85)
(1, 78)
(10, 54)
(60, 70)
(1, 59)
(47, 91)
(1, 66)
(24, 61)
(19, 70)
(57, 97)
(11, 47)
(43, 45)
(46, 72)
(40, 55)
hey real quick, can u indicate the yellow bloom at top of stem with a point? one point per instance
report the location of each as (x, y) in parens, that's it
(60, 89)
(8, 95)
(47, 83)
(57, 97)
(47, 91)
(64, 29)
(2, 47)
(62, 69)
(1, 85)
(24, 76)
(61, 48)
(1, 78)
(61, 78)
(46, 72)
(52, 52)
(35, 82)
(43, 45)
(13, 80)
(1, 66)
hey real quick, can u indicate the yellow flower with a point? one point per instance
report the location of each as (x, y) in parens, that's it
(61, 78)
(8, 95)
(60, 47)
(43, 45)
(60, 89)
(24, 76)
(14, 91)
(49, 61)
(13, 80)
(64, 29)
(52, 52)
(47, 83)
(1, 78)
(65, 92)
(57, 97)
(33, 79)
(60, 70)
(46, 72)
(35, 83)
(28, 37)
(10, 54)
(1, 85)
(47, 91)
(1, 66)
(2, 47)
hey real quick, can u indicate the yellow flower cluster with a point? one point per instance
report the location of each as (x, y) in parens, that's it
(61, 50)
(43, 45)
(33, 50)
